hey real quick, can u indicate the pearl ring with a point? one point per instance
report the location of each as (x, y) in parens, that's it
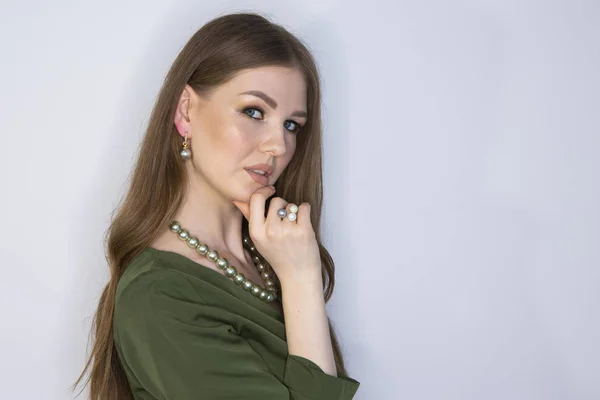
(291, 216)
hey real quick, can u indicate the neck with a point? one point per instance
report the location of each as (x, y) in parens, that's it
(206, 214)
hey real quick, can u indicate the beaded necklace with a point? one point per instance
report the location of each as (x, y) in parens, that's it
(267, 293)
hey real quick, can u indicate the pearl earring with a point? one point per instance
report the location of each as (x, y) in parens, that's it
(186, 152)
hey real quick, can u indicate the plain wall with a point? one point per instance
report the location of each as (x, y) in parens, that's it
(461, 184)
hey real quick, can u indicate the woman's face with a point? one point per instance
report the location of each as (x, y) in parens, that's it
(252, 119)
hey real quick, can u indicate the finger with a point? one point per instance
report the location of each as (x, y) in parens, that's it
(243, 207)
(257, 208)
(276, 204)
(303, 215)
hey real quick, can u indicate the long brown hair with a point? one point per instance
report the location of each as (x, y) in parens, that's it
(213, 55)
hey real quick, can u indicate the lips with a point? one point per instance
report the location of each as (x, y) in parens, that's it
(258, 178)
(262, 167)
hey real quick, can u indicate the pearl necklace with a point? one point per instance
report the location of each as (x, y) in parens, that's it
(267, 294)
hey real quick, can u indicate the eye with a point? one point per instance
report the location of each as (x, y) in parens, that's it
(252, 112)
(258, 114)
(296, 126)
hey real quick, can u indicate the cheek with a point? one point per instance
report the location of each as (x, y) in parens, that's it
(243, 134)
(245, 126)
(247, 131)
(292, 145)
(291, 150)
(227, 135)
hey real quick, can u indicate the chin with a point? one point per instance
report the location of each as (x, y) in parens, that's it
(245, 193)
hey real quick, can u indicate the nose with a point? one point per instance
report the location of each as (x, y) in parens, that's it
(275, 142)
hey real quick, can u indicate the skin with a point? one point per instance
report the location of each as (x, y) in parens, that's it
(225, 140)
(228, 132)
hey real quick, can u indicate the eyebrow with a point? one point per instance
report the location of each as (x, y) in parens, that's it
(271, 102)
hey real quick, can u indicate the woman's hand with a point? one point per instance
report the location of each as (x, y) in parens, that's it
(290, 247)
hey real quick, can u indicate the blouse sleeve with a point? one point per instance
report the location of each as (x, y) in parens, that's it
(177, 347)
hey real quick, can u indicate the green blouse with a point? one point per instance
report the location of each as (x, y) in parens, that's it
(184, 331)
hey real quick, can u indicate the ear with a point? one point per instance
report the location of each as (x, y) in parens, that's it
(182, 113)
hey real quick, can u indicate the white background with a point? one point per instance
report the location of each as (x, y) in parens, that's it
(461, 184)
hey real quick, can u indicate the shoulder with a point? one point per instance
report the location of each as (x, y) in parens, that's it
(149, 281)
(153, 297)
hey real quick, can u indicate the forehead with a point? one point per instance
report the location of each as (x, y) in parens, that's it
(286, 85)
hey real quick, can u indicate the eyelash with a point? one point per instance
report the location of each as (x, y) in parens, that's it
(295, 130)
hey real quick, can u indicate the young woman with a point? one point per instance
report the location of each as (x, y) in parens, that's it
(218, 276)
